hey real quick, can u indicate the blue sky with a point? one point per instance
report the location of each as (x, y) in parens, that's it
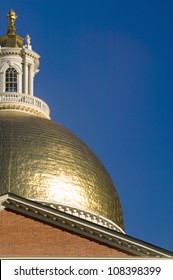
(106, 73)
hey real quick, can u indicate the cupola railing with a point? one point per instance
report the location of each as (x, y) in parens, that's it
(18, 101)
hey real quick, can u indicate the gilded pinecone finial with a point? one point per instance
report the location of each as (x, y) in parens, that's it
(12, 17)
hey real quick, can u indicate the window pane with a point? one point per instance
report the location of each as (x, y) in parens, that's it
(11, 80)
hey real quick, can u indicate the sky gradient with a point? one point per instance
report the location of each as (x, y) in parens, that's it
(106, 73)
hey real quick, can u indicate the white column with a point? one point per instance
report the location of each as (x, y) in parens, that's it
(2, 82)
(30, 80)
(19, 82)
(25, 77)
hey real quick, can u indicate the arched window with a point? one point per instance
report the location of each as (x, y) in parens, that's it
(11, 80)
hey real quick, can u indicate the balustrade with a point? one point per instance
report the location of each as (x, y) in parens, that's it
(23, 99)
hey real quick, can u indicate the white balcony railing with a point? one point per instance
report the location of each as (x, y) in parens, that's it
(33, 103)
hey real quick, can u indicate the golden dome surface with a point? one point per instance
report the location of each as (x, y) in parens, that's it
(41, 160)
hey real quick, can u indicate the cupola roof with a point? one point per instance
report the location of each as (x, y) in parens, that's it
(11, 39)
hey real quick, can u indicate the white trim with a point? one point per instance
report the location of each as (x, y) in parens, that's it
(82, 213)
(80, 226)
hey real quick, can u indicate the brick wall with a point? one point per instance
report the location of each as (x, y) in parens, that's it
(23, 236)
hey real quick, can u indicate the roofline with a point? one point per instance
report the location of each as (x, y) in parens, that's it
(82, 227)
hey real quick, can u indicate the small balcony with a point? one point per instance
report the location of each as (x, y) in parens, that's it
(23, 102)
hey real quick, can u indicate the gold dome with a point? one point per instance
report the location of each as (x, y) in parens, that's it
(41, 160)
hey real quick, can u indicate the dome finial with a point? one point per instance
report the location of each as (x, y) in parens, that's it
(12, 17)
(11, 39)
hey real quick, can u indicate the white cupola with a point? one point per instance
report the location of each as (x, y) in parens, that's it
(18, 67)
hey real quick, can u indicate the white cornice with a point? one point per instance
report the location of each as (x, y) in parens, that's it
(80, 226)
(19, 51)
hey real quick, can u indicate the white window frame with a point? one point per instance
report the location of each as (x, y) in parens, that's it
(11, 80)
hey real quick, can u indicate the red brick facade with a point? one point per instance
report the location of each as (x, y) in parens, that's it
(23, 236)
